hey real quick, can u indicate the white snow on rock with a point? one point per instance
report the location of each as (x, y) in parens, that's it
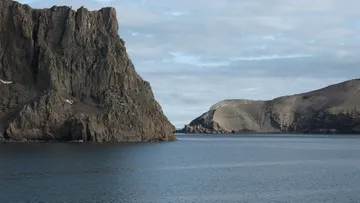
(5, 82)
(69, 101)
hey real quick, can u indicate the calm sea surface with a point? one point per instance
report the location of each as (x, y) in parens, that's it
(206, 168)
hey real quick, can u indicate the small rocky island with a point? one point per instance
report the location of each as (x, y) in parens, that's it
(65, 75)
(333, 109)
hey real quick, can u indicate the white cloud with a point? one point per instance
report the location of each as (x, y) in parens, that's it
(272, 57)
(269, 37)
(196, 60)
(176, 13)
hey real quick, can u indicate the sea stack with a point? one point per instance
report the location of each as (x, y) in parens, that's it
(333, 109)
(65, 75)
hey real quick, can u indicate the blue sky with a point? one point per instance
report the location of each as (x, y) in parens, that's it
(196, 53)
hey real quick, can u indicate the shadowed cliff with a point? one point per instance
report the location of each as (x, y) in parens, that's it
(334, 109)
(65, 75)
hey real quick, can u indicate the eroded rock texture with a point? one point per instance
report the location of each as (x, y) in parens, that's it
(72, 79)
(334, 109)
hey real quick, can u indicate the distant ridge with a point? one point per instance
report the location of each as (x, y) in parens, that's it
(333, 109)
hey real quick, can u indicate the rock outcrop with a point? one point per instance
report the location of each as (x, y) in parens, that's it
(65, 75)
(333, 109)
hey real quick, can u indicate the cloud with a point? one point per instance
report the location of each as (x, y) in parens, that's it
(195, 53)
(104, 1)
(203, 61)
(198, 61)
(272, 57)
(176, 13)
(269, 37)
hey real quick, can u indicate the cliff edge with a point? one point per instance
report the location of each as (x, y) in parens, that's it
(65, 75)
(333, 109)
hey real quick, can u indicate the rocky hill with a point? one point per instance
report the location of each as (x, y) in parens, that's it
(334, 109)
(65, 75)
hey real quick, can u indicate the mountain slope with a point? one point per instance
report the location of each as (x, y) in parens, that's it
(333, 109)
(65, 75)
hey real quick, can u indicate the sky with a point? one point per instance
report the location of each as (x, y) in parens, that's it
(196, 53)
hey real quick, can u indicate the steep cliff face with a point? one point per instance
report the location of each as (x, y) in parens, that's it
(334, 109)
(66, 75)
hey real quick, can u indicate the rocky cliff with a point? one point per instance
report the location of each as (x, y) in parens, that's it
(65, 75)
(334, 109)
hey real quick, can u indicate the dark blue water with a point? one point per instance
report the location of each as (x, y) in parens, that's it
(192, 169)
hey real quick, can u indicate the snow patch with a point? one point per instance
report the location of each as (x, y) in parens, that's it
(5, 82)
(69, 101)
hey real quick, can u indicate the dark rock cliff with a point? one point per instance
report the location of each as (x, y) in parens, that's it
(334, 109)
(65, 75)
